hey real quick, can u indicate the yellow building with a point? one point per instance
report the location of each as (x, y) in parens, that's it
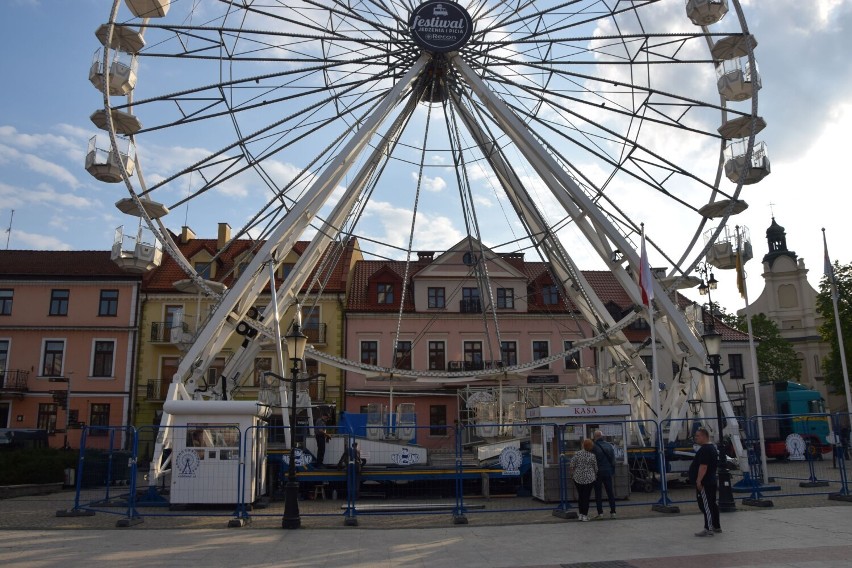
(173, 312)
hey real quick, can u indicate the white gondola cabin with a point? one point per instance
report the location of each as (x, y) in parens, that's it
(149, 8)
(104, 163)
(139, 253)
(739, 167)
(706, 12)
(122, 72)
(723, 253)
(736, 80)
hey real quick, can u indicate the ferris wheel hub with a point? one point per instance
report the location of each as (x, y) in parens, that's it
(440, 27)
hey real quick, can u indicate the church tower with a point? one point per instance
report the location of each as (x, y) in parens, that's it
(789, 300)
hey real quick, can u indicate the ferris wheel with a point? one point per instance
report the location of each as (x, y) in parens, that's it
(559, 128)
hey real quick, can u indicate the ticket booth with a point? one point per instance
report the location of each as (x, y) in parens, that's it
(208, 440)
(574, 422)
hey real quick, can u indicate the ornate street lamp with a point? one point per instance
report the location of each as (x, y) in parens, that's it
(713, 344)
(296, 343)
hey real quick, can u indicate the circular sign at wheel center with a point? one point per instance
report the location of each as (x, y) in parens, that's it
(440, 27)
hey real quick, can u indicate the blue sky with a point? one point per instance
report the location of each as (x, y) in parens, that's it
(803, 53)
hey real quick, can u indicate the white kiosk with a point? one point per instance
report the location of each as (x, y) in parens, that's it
(207, 445)
(577, 420)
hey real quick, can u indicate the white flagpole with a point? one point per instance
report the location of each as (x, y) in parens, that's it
(647, 287)
(753, 360)
(829, 271)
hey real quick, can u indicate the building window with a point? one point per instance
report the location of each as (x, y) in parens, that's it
(241, 267)
(104, 355)
(470, 301)
(4, 359)
(286, 269)
(109, 303)
(735, 364)
(649, 363)
(572, 361)
(99, 417)
(6, 302)
(506, 298)
(203, 269)
(541, 350)
(436, 298)
(509, 353)
(59, 302)
(438, 420)
(437, 356)
(402, 358)
(46, 417)
(549, 295)
(384, 294)
(370, 352)
(473, 356)
(52, 363)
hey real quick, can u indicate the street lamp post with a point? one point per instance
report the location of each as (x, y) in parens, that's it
(713, 343)
(296, 343)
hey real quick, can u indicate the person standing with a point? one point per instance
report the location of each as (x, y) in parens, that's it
(702, 472)
(605, 457)
(583, 470)
(322, 437)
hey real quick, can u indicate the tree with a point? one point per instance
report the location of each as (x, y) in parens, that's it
(776, 358)
(831, 367)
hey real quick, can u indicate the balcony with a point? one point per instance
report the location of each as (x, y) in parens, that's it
(14, 381)
(168, 332)
(155, 390)
(470, 306)
(473, 365)
(315, 333)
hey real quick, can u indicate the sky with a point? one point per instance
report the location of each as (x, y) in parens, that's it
(803, 56)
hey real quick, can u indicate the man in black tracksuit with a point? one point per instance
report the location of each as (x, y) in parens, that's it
(703, 473)
(605, 455)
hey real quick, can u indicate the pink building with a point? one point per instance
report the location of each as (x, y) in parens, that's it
(448, 324)
(68, 334)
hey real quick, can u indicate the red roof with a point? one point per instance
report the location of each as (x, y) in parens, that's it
(162, 278)
(604, 283)
(78, 264)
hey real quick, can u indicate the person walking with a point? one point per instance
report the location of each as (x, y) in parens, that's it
(583, 470)
(605, 457)
(702, 472)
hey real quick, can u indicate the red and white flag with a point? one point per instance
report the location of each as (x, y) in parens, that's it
(645, 275)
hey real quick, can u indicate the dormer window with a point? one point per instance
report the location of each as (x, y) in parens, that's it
(203, 269)
(384, 293)
(549, 295)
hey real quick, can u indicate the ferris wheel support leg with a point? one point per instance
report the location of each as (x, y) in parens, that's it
(298, 276)
(252, 281)
(590, 220)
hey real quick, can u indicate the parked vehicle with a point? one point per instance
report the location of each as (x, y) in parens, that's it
(790, 408)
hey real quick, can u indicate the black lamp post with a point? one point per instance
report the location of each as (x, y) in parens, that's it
(713, 344)
(296, 343)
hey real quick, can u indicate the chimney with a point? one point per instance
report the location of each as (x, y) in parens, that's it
(186, 235)
(224, 235)
(426, 255)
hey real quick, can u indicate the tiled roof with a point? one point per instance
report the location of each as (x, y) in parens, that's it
(83, 264)
(162, 278)
(604, 283)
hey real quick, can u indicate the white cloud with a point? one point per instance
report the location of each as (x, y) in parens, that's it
(23, 240)
(434, 184)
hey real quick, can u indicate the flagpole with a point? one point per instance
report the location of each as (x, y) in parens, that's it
(743, 287)
(829, 272)
(647, 297)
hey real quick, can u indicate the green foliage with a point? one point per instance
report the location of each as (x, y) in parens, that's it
(43, 465)
(831, 365)
(776, 358)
